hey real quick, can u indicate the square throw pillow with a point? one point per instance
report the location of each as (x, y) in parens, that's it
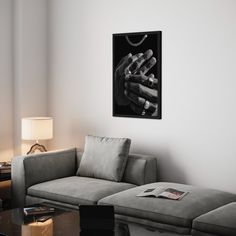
(104, 158)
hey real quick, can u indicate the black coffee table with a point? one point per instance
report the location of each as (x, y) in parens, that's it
(64, 223)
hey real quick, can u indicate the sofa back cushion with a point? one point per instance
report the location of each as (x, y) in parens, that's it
(104, 158)
(140, 169)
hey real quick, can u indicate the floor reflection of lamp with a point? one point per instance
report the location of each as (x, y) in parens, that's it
(37, 128)
(38, 229)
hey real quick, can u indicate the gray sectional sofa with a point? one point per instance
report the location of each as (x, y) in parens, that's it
(52, 177)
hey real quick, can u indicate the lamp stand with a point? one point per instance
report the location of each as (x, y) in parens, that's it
(35, 147)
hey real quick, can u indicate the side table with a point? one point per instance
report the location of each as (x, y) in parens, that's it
(5, 186)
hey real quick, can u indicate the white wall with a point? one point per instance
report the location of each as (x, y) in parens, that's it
(6, 81)
(195, 140)
(30, 64)
(23, 70)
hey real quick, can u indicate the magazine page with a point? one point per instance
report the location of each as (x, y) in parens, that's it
(171, 193)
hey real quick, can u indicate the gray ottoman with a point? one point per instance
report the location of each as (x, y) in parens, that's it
(221, 221)
(168, 215)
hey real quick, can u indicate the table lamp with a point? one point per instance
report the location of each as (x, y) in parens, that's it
(37, 128)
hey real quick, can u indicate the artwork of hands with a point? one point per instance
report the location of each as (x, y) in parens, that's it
(133, 86)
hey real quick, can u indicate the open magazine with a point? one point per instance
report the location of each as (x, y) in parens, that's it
(169, 193)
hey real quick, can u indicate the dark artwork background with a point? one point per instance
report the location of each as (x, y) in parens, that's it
(121, 48)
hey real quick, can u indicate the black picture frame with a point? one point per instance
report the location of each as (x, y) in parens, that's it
(139, 98)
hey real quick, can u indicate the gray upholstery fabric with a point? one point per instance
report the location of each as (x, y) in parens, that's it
(140, 169)
(198, 233)
(77, 190)
(79, 154)
(221, 221)
(18, 181)
(36, 168)
(49, 165)
(35, 200)
(160, 226)
(178, 213)
(104, 158)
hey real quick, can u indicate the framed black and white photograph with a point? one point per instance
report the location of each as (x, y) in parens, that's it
(137, 75)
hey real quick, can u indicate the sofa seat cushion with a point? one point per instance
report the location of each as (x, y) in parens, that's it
(77, 190)
(168, 212)
(221, 221)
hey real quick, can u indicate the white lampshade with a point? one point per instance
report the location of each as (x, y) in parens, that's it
(37, 128)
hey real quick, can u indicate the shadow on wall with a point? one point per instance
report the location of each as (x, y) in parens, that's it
(79, 130)
(72, 134)
(167, 168)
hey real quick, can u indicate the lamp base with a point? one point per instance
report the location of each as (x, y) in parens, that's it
(35, 147)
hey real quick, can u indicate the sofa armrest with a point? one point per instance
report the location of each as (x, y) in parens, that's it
(18, 182)
(36, 168)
